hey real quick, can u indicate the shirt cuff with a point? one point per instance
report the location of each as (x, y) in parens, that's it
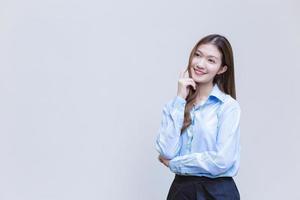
(173, 167)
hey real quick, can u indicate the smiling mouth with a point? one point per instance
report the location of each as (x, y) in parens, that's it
(199, 72)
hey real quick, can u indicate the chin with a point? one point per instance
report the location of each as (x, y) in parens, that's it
(197, 79)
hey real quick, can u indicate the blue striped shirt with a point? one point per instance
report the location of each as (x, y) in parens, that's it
(210, 146)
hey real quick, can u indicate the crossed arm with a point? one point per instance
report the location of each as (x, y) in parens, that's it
(213, 162)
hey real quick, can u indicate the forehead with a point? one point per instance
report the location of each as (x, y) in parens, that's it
(209, 50)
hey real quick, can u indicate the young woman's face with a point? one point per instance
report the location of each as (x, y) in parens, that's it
(206, 63)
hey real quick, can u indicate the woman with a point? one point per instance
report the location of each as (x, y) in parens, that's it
(199, 134)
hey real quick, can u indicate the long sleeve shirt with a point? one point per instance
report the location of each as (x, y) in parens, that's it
(210, 146)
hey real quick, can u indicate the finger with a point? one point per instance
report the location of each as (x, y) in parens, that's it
(186, 73)
(181, 75)
(190, 82)
(160, 158)
(188, 78)
(193, 85)
(163, 163)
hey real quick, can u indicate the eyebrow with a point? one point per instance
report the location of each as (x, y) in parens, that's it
(208, 55)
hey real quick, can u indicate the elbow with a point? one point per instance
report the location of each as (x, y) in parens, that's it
(165, 152)
(168, 155)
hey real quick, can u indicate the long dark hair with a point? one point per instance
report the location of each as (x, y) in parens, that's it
(225, 80)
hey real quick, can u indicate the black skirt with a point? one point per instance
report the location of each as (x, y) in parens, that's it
(203, 188)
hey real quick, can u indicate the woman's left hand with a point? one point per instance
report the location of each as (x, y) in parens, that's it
(163, 160)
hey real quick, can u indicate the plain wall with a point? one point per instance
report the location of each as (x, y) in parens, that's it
(83, 84)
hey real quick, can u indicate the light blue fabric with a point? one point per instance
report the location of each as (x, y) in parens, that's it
(210, 146)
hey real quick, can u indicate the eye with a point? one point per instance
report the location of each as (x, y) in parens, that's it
(211, 61)
(196, 54)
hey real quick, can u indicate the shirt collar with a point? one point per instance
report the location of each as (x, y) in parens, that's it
(216, 92)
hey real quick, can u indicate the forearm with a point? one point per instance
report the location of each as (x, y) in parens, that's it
(169, 141)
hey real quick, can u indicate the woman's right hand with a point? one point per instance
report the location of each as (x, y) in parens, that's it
(184, 84)
(164, 160)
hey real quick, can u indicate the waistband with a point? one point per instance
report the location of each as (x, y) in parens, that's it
(183, 178)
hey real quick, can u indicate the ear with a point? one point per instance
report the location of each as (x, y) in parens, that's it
(222, 69)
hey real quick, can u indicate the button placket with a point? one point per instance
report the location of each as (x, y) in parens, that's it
(190, 131)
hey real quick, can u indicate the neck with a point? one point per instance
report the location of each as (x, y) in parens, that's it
(204, 91)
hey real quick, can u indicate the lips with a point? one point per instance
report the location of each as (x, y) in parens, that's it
(199, 72)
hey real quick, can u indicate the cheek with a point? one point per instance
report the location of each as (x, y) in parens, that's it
(194, 61)
(213, 68)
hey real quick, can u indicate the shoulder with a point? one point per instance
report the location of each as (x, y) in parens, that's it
(230, 104)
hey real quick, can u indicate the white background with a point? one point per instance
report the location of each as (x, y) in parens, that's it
(83, 83)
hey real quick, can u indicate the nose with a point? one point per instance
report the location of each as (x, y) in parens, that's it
(200, 63)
